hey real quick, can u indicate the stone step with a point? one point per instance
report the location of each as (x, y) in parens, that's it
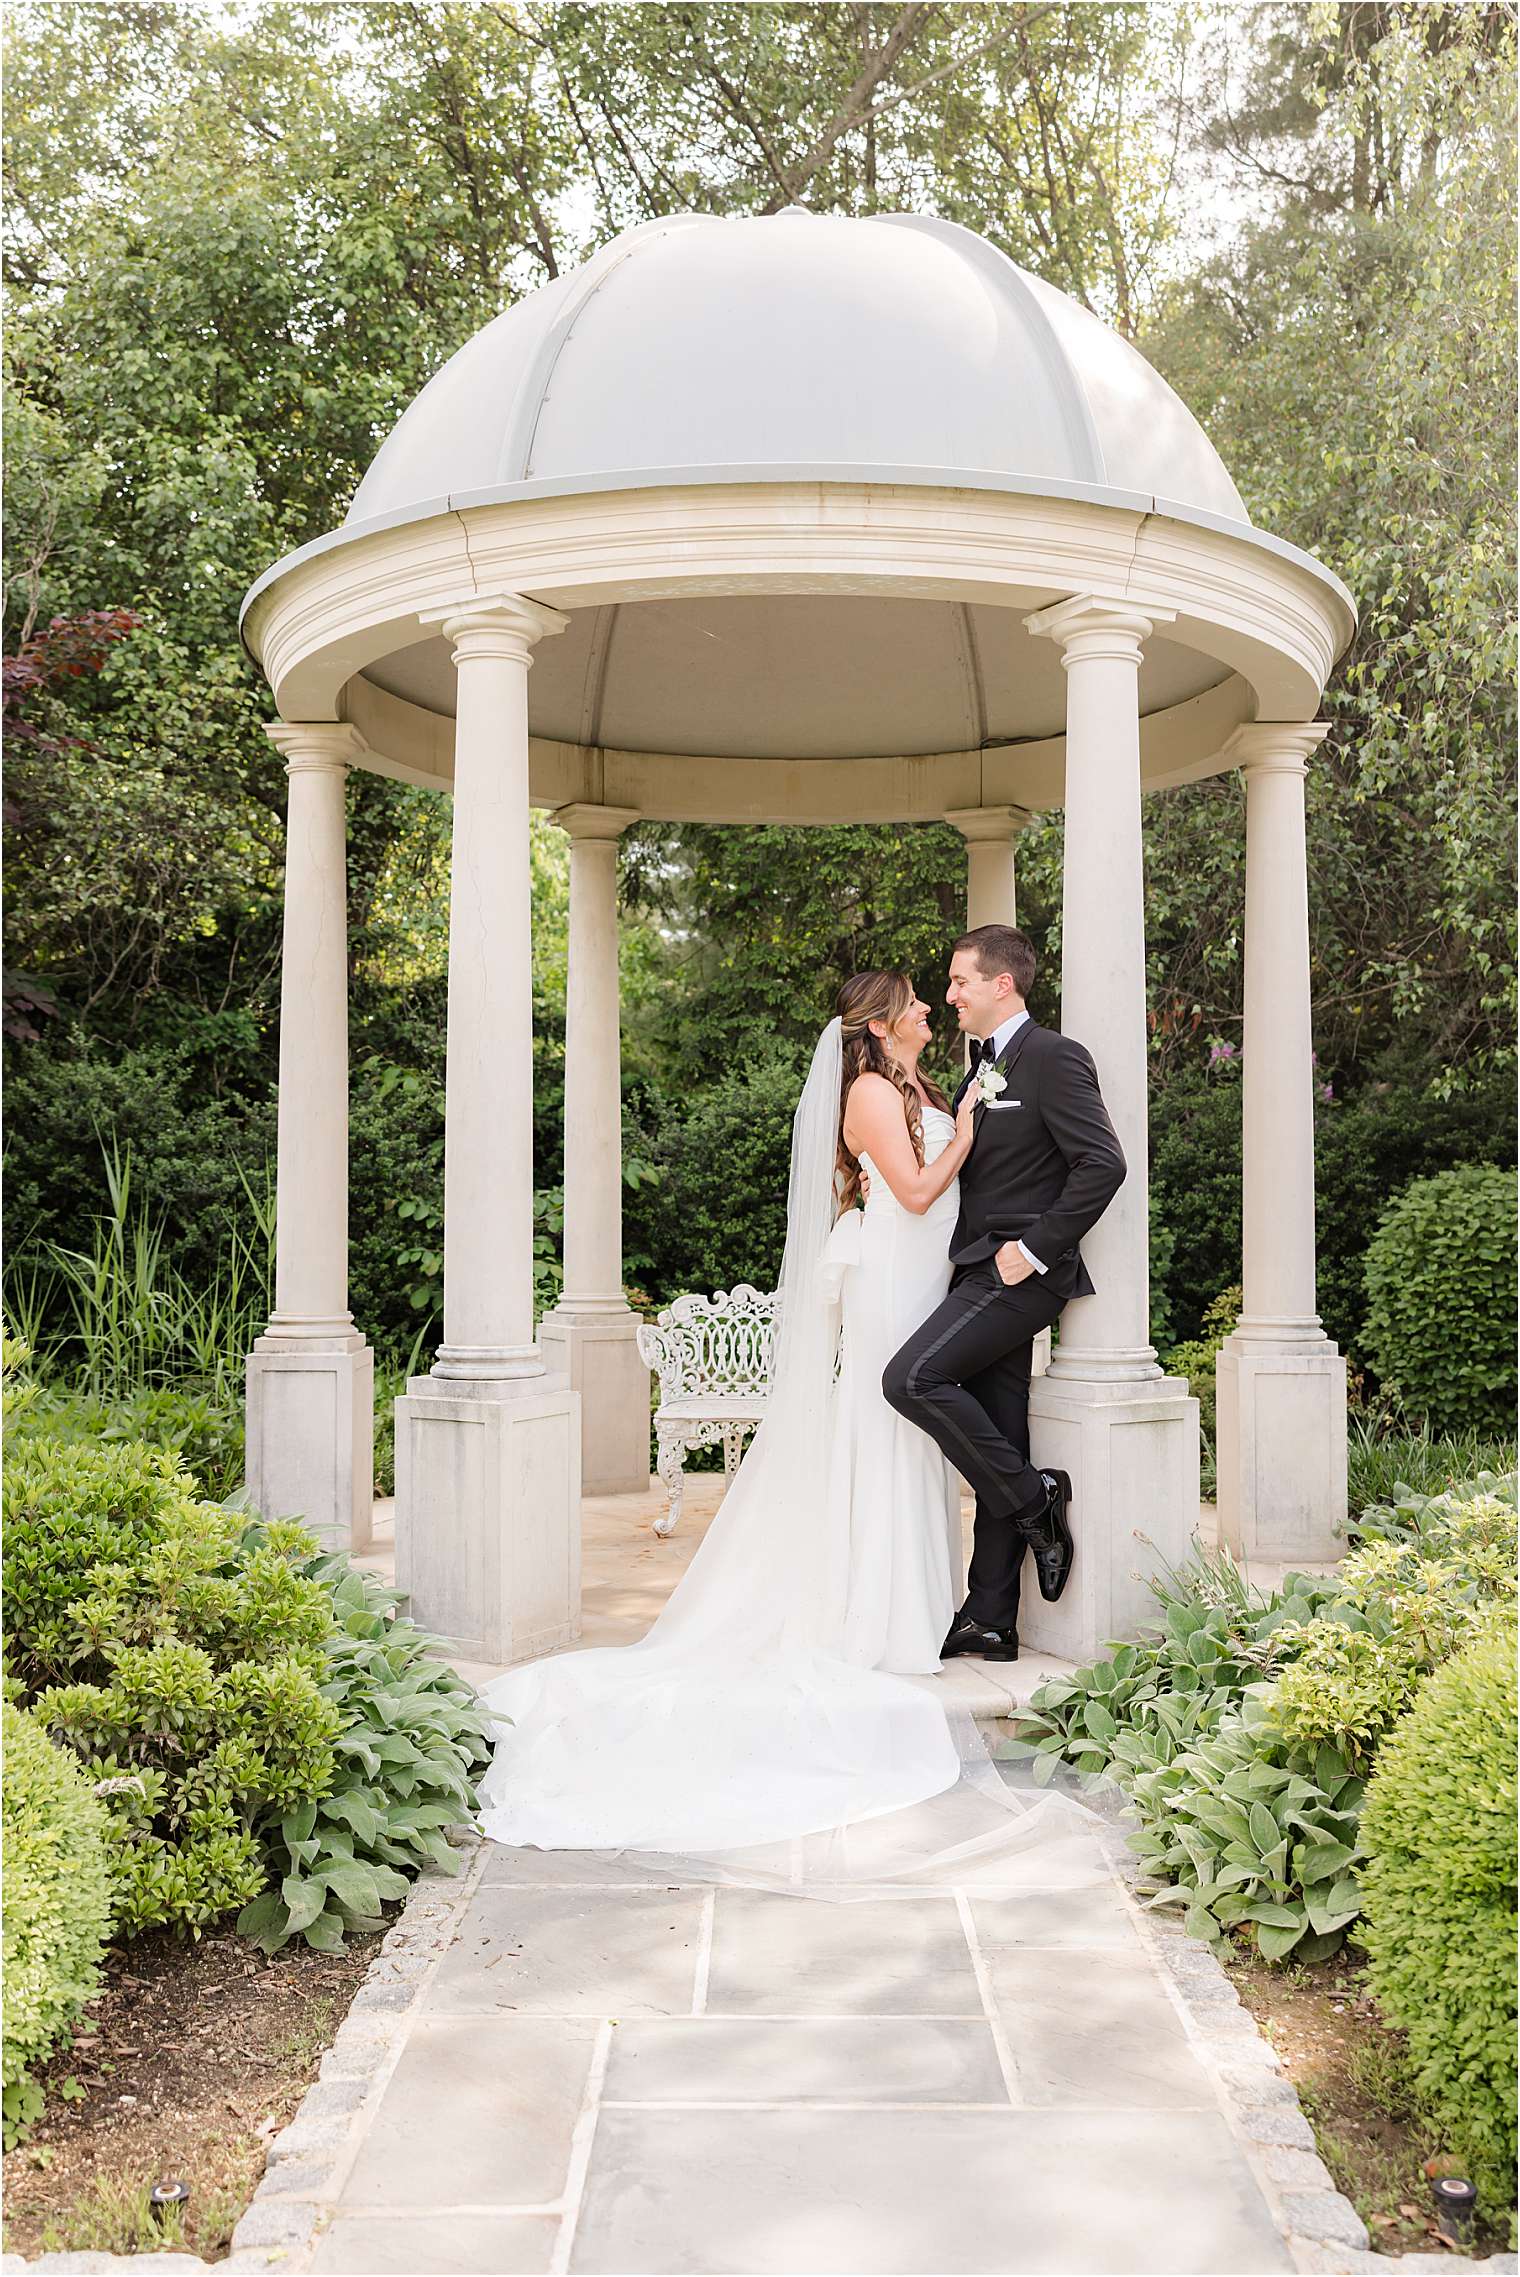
(992, 1690)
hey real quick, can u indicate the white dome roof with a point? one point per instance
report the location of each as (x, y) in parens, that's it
(899, 347)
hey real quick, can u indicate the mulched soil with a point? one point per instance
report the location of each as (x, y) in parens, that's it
(1350, 2070)
(191, 2058)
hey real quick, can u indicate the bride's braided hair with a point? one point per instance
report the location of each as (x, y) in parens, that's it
(865, 997)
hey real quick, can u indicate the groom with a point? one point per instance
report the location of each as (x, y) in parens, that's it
(1044, 1165)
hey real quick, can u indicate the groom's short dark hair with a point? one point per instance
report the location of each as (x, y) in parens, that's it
(1002, 948)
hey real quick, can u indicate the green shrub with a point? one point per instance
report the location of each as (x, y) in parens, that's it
(1148, 1700)
(201, 1430)
(191, 1645)
(1473, 1521)
(253, 1703)
(1366, 1147)
(1439, 1891)
(200, 1127)
(1404, 1604)
(714, 1213)
(66, 1509)
(1441, 1298)
(410, 1735)
(1195, 1360)
(58, 1896)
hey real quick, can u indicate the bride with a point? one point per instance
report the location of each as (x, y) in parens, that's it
(774, 1724)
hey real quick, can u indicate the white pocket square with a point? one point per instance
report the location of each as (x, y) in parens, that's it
(997, 1105)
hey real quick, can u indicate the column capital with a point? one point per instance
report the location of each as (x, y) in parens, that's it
(1086, 626)
(1275, 747)
(495, 624)
(999, 824)
(314, 746)
(582, 819)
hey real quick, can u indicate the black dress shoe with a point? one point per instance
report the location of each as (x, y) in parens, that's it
(976, 1638)
(1049, 1536)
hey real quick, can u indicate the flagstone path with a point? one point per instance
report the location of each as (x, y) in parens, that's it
(561, 2064)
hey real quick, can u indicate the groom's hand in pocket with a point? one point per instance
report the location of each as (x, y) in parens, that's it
(1012, 1265)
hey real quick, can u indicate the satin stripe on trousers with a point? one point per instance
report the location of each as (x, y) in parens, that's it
(963, 1377)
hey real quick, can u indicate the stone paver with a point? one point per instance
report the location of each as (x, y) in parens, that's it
(513, 2245)
(825, 2059)
(788, 1956)
(913, 2191)
(454, 2105)
(584, 1952)
(1095, 2027)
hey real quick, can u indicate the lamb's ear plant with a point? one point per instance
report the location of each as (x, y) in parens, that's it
(1249, 1830)
(1146, 1701)
(411, 1739)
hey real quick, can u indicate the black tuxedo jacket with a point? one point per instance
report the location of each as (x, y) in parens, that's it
(1045, 1161)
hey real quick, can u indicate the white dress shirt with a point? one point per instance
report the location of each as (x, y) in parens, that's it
(1001, 1038)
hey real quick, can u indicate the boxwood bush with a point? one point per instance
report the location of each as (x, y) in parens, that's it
(1439, 1893)
(58, 1897)
(1441, 1281)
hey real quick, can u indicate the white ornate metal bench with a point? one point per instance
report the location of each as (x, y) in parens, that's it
(713, 1359)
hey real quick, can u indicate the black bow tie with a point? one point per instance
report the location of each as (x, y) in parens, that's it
(985, 1052)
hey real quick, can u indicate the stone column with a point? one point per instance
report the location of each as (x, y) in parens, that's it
(310, 1376)
(488, 1444)
(590, 1334)
(991, 835)
(1281, 1382)
(1104, 1411)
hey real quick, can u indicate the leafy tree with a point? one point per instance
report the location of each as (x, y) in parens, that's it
(1352, 359)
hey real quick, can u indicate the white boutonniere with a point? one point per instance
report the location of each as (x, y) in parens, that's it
(990, 1080)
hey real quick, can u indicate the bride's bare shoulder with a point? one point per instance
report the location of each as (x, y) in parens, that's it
(867, 1087)
(867, 1097)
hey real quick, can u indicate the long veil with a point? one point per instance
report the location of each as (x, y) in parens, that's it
(735, 1741)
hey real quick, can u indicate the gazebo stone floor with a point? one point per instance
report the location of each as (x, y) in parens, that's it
(560, 2063)
(628, 1571)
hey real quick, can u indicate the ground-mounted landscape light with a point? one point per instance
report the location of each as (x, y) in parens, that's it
(1455, 2200)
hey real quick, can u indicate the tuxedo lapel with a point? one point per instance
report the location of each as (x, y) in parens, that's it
(1004, 1062)
(1012, 1048)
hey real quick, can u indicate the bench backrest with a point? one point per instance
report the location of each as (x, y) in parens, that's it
(716, 1347)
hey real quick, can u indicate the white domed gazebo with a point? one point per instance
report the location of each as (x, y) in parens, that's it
(796, 519)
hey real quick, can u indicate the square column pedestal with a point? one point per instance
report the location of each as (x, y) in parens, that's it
(1131, 1449)
(598, 1352)
(1282, 1449)
(488, 1513)
(310, 1437)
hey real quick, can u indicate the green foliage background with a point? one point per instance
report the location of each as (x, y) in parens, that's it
(239, 244)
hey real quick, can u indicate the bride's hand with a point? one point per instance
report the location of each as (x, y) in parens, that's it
(963, 1121)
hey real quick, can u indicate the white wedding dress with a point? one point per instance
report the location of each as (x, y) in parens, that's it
(897, 1499)
(775, 1726)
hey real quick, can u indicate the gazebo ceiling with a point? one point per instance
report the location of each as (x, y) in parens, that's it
(775, 676)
